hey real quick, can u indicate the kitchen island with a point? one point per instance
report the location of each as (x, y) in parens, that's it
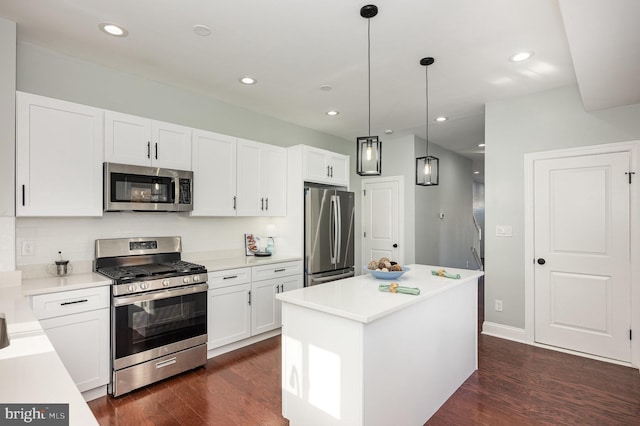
(353, 355)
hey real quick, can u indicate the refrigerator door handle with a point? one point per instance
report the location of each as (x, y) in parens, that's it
(333, 232)
(339, 227)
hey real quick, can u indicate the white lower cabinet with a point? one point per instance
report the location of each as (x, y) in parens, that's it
(77, 324)
(242, 301)
(267, 311)
(228, 315)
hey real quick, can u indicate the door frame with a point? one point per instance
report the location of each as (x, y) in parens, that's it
(401, 213)
(633, 148)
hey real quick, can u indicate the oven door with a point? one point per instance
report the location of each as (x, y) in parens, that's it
(148, 325)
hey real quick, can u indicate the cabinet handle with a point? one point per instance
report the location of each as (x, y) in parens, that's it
(267, 201)
(328, 172)
(234, 202)
(156, 150)
(261, 203)
(23, 195)
(149, 149)
(281, 288)
(74, 302)
(280, 270)
(249, 297)
(331, 171)
(230, 277)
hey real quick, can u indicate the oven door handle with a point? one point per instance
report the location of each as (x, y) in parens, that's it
(159, 294)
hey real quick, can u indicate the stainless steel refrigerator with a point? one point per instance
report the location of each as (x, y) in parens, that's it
(328, 235)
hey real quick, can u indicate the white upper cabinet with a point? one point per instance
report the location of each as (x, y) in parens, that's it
(130, 139)
(213, 158)
(261, 179)
(59, 148)
(322, 166)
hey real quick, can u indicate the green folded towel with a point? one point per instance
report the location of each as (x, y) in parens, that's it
(398, 289)
(443, 273)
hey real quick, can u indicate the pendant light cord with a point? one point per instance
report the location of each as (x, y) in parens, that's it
(369, 68)
(427, 108)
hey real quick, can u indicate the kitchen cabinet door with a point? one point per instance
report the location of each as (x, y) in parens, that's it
(228, 315)
(266, 310)
(82, 342)
(274, 180)
(250, 201)
(213, 158)
(59, 155)
(130, 139)
(172, 146)
(262, 179)
(322, 166)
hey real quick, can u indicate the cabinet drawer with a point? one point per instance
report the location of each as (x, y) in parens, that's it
(276, 270)
(70, 302)
(229, 277)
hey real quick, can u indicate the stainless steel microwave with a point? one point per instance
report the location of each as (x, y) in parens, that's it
(142, 188)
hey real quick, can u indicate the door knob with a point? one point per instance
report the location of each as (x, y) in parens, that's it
(541, 261)
(395, 246)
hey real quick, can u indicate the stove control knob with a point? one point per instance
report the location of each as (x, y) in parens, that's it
(196, 278)
(131, 288)
(186, 280)
(166, 283)
(144, 286)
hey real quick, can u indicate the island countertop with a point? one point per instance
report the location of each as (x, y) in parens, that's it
(359, 299)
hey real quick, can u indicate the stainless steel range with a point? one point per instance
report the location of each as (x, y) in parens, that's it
(158, 310)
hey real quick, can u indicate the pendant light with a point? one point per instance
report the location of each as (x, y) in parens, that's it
(369, 148)
(427, 167)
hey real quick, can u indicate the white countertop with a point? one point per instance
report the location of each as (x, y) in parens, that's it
(220, 264)
(359, 299)
(51, 284)
(31, 371)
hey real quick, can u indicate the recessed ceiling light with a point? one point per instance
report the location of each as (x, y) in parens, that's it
(113, 29)
(481, 145)
(201, 30)
(388, 132)
(326, 88)
(333, 113)
(521, 56)
(441, 118)
(248, 80)
(476, 172)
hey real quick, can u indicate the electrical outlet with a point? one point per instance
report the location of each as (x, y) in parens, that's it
(28, 248)
(499, 305)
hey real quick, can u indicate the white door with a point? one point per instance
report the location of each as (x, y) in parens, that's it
(583, 269)
(381, 212)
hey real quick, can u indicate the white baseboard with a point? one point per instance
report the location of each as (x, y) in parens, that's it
(242, 343)
(504, 332)
(91, 394)
(518, 335)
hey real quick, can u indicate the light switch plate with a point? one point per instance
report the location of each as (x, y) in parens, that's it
(504, 231)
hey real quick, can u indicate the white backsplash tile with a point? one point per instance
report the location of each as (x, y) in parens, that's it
(7, 243)
(75, 237)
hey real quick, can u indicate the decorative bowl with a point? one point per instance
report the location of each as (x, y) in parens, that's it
(391, 275)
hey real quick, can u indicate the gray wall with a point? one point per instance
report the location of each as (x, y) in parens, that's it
(444, 242)
(7, 115)
(544, 121)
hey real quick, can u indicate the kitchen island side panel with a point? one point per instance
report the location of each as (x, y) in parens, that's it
(321, 368)
(398, 369)
(416, 358)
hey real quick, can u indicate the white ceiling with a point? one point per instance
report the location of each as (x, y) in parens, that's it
(292, 47)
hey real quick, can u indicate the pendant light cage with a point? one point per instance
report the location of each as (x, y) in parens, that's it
(369, 148)
(427, 167)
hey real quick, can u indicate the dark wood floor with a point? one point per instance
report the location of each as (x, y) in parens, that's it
(515, 384)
